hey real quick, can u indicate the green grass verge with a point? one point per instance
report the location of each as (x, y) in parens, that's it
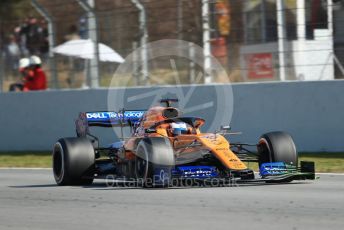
(324, 162)
(26, 159)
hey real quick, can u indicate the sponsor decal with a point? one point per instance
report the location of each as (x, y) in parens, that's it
(101, 115)
(274, 168)
(196, 171)
(259, 65)
(132, 115)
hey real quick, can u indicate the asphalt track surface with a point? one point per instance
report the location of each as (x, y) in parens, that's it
(29, 199)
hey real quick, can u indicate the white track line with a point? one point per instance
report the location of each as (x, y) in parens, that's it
(320, 173)
(335, 174)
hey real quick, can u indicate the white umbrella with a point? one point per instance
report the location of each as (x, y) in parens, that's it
(84, 48)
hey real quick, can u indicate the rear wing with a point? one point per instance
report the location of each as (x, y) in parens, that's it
(106, 119)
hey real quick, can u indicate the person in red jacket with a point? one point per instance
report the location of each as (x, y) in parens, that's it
(27, 74)
(37, 80)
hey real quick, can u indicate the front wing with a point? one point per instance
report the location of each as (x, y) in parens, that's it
(273, 173)
(269, 172)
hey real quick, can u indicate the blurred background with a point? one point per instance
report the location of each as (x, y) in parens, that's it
(255, 40)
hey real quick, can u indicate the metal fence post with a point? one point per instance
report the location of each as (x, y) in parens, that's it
(192, 71)
(282, 39)
(206, 41)
(93, 35)
(144, 37)
(263, 20)
(135, 73)
(180, 19)
(51, 36)
(2, 71)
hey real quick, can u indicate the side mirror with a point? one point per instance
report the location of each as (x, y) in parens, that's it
(226, 127)
(150, 131)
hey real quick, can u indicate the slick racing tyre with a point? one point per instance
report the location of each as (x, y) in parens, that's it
(277, 147)
(154, 162)
(73, 161)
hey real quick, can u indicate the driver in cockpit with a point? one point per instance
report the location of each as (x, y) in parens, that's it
(179, 128)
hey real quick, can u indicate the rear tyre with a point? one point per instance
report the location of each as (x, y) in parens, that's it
(154, 162)
(73, 161)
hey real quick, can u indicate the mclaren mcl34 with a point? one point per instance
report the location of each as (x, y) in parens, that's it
(165, 148)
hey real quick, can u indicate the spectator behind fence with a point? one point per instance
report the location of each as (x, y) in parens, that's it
(72, 33)
(24, 69)
(22, 33)
(33, 37)
(44, 39)
(12, 54)
(34, 77)
(39, 77)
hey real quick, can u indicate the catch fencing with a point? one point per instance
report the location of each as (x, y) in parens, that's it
(255, 40)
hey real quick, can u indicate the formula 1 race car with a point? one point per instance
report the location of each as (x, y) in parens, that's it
(165, 149)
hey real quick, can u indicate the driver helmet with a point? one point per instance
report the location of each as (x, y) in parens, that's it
(178, 128)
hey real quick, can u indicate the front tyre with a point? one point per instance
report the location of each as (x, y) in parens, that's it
(277, 147)
(73, 161)
(154, 162)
